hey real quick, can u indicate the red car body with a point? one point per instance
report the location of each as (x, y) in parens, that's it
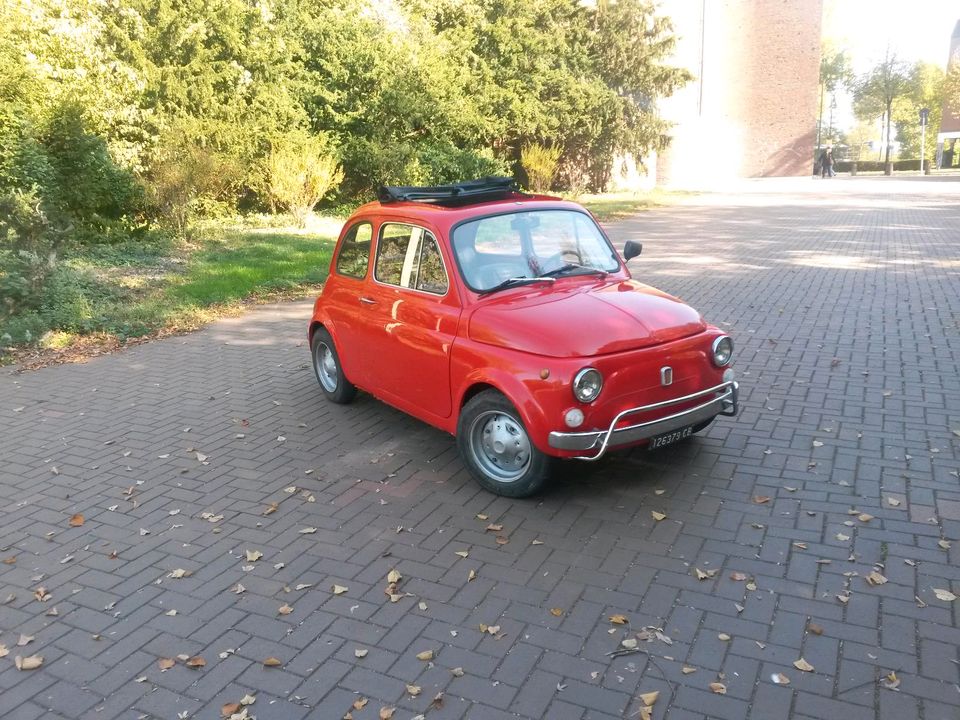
(428, 354)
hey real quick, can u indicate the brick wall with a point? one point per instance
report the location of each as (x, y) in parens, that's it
(752, 109)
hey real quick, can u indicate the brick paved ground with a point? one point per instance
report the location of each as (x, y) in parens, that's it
(844, 301)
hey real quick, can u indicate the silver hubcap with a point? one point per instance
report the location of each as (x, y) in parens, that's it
(500, 446)
(326, 367)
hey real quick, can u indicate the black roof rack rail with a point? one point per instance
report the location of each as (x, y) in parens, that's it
(464, 193)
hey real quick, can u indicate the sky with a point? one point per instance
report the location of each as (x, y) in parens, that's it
(914, 29)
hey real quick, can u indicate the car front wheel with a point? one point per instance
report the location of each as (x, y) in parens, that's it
(326, 366)
(496, 448)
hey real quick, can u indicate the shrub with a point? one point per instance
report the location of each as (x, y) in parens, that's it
(29, 244)
(301, 171)
(539, 162)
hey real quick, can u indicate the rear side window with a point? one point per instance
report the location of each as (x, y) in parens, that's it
(408, 257)
(355, 251)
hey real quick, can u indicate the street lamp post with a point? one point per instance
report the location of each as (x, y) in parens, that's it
(924, 114)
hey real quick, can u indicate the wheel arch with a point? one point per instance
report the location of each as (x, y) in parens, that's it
(516, 392)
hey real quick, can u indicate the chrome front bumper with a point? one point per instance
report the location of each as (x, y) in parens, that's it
(723, 401)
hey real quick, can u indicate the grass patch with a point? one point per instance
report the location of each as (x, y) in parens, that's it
(615, 206)
(106, 295)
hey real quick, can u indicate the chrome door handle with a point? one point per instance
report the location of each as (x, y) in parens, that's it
(368, 301)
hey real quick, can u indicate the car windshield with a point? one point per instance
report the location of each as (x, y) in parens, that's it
(494, 250)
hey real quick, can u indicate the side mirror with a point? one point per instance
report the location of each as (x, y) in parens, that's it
(631, 249)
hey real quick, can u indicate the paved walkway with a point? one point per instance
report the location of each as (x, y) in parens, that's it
(194, 455)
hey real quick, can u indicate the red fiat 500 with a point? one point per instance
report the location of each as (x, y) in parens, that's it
(510, 321)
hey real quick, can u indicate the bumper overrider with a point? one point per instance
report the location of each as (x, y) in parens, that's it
(722, 399)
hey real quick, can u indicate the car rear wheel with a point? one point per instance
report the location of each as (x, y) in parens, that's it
(496, 448)
(326, 366)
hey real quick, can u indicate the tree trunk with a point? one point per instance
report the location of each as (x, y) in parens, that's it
(887, 170)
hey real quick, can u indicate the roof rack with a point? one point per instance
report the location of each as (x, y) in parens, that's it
(464, 193)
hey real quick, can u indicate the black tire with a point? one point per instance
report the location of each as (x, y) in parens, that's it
(494, 445)
(326, 368)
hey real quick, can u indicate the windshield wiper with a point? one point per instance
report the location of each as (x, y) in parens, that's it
(514, 281)
(567, 267)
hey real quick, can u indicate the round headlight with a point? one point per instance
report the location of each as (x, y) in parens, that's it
(722, 351)
(587, 385)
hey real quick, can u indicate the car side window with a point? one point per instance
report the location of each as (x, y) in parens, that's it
(408, 257)
(355, 251)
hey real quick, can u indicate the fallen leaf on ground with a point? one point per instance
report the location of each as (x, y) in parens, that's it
(800, 545)
(537, 542)
(360, 703)
(658, 516)
(196, 662)
(701, 575)
(944, 544)
(24, 640)
(272, 662)
(494, 528)
(437, 701)
(718, 688)
(31, 662)
(472, 575)
(501, 540)
(76, 520)
(253, 555)
(893, 502)
(166, 663)
(386, 713)
(760, 499)
(271, 508)
(414, 690)
(10, 560)
(481, 516)
(556, 612)
(803, 665)
(41, 594)
(944, 595)
(425, 656)
(229, 709)
(285, 609)
(457, 671)
(738, 576)
(780, 679)
(393, 576)
(875, 578)
(4, 651)
(650, 698)
(308, 531)
(462, 553)
(841, 537)
(890, 681)
(814, 628)
(687, 669)
(629, 643)
(723, 637)
(360, 653)
(339, 589)
(619, 619)
(180, 573)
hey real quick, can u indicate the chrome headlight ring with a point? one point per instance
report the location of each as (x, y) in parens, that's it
(722, 351)
(587, 385)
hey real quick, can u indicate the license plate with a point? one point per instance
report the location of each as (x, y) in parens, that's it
(659, 441)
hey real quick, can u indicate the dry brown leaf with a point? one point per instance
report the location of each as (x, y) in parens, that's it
(645, 713)
(718, 688)
(494, 528)
(24, 640)
(472, 575)
(481, 516)
(414, 690)
(723, 637)
(780, 679)
(271, 508)
(4, 651)
(339, 589)
(843, 598)
(457, 671)
(253, 555)
(556, 612)
(272, 662)
(437, 701)
(10, 560)
(307, 531)
(800, 545)
(360, 703)
(944, 544)
(803, 665)
(814, 628)
(426, 655)
(650, 698)
(619, 619)
(629, 643)
(387, 712)
(890, 681)
(738, 576)
(658, 516)
(393, 576)
(196, 662)
(686, 669)
(76, 520)
(179, 573)
(41, 594)
(704, 575)
(841, 537)
(31, 662)
(944, 595)
(285, 609)
(537, 542)
(875, 578)
(462, 553)
(864, 517)
(229, 709)
(501, 540)
(893, 502)
(360, 652)
(761, 499)
(166, 663)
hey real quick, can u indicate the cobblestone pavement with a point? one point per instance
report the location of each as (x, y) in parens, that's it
(188, 453)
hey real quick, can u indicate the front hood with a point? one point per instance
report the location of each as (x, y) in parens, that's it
(584, 320)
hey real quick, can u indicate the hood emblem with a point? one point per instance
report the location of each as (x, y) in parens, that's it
(666, 375)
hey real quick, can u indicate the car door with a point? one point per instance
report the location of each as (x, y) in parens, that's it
(345, 287)
(411, 318)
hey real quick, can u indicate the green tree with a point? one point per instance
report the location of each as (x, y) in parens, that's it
(876, 91)
(835, 73)
(301, 170)
(925, 89)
